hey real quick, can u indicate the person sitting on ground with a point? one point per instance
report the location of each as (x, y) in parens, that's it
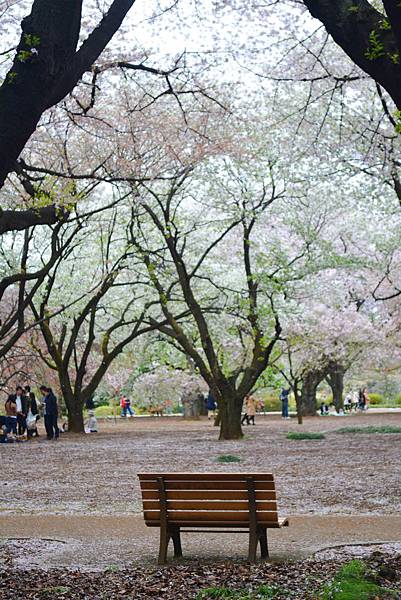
(324, 409)
(91, 425)
(348, 402)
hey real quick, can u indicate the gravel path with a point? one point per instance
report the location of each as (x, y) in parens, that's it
(96, 474)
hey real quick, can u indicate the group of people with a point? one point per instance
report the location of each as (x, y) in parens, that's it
(356, 400)
(23, 412)
(353, 401)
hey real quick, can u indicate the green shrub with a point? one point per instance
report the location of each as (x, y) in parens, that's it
(351, 583)
(104, 411)
(398, 400)
(375, 399)
(295, 435)
(370, 429)
(272, 403)
(228, 458)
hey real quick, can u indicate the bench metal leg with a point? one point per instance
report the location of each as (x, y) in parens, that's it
(253, 544)
(264, 548)
(164, 540)
(175, 534)
(258, 536)
(167, 534)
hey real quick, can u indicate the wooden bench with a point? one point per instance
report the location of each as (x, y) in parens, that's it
(206, 502)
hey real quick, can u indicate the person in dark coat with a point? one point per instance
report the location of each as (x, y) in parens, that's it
(50, 412)
(89, 404)
(33, 407)
(284, 396)
(211, 405)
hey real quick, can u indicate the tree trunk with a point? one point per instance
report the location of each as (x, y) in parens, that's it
(298, 403)
(74, 404)
(310, 382)
(335, 379)
(75, 418)
(230, 408)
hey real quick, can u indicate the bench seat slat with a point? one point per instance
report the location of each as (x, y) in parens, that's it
(223, 523)
(202, 485)
(208, 505)
(206, 476)
(182, 516)
(208, 495)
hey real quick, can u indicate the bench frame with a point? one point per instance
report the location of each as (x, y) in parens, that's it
(172, 532)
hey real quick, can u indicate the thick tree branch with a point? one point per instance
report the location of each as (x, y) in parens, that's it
(369, 39)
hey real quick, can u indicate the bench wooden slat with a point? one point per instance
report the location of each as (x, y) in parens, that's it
(208, 505)
(212, 524)
(212, 485)
(208, 495)
(205, 516)
(206, 476)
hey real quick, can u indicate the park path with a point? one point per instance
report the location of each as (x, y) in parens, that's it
(97, 542)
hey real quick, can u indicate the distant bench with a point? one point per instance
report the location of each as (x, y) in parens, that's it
(199, 501)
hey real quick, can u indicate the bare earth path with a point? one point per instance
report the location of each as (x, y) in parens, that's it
(81, 493)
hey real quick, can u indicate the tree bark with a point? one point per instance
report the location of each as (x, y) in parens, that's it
(73, 402)
(310, 382)
(298, 402)
(46, 68)
(75, 415)
(335, 379)
(359, 29)
(230, 408)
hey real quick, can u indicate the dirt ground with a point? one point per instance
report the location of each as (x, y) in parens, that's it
(71, 524)
(96, 474)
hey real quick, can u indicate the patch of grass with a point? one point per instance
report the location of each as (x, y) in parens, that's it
(228, 458)
(58, 589)
(112, 568)
(370, 429)
(297, 435)
(353, 582)
(263, 592)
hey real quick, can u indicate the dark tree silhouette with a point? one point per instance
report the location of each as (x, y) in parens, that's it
(48, 64)
(371, 39)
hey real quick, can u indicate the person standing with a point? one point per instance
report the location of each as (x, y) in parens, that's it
(250, 409)
(33, 408)
(11, 414)
(50, 412)
(210, 405)
(284, 396)
(365, 399)
(21, 402)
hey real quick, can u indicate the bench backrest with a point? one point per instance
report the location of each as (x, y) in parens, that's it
(212, 499)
